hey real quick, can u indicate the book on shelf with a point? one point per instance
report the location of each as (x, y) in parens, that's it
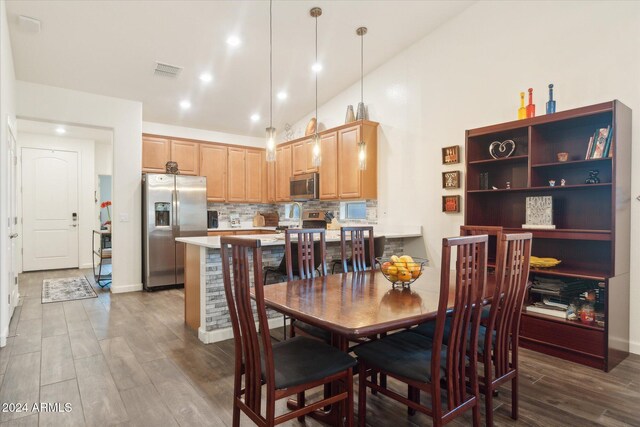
(589, 147)
(562, 314)
(599, 146)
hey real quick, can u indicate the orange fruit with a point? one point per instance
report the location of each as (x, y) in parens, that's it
(405, 276)
(416, 273)
(385, 267)
(392, 270)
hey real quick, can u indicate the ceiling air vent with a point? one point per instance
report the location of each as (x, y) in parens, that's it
(166, 70)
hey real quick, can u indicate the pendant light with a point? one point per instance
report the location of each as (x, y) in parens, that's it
(362, 146)
(271, 131)
(317, 155)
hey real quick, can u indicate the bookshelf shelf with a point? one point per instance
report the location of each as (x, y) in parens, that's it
(591, 238)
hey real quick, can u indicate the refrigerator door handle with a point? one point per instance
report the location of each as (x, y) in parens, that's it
(177, 223)
(173, 210)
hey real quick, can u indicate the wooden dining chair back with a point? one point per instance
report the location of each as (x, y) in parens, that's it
(359, 237)
(284, 367)
(500, 353)
(493, 231)
(310, 254)
(426, 364)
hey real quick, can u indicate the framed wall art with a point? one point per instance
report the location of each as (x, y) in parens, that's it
(451, 179)
(451, 155)
(451, 204)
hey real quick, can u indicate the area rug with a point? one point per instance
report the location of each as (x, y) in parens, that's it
(67, 289)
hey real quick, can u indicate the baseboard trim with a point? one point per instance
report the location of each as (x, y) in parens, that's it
(217, 335)
(126, 288)
(634, 347)
(3, 337)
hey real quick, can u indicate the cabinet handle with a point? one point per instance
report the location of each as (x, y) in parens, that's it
(638, 198)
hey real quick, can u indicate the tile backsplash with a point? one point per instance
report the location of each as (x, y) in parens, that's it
(246, 211)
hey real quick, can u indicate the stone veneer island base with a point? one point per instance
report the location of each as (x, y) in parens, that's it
(205, 304)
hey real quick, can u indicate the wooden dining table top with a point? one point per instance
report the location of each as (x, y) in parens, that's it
(357, 305)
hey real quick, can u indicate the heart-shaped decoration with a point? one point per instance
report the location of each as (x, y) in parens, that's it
(500, 150)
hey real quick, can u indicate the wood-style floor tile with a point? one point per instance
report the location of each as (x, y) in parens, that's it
(146, 408)
(62, 392)
(84, 343)
(57, 360)
(21, 383)
(28, 421)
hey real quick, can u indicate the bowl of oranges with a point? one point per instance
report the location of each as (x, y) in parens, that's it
(401, 269)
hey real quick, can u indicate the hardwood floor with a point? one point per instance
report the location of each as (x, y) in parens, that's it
(128, 359)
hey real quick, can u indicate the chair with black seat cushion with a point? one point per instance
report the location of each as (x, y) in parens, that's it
(378, 251)
(427, 365)
(287, 368)
(303, 258)
(361, 259)
(500, 356)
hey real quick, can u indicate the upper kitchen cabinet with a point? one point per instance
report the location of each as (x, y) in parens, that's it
(254, 161)
(352, 182)
(236, 174)
(302, 157)
(213, 165)
(186, 154)
(271, 182)
(156, 152)
(283, 172)
(328, 170)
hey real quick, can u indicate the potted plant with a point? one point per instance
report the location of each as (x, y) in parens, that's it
(105, 205)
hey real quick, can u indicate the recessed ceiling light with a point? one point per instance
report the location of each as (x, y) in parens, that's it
(255, 117)
(317, 67)
(282, 95)
(185, 105)
(206, 77)
(60, 130)
(233, 41)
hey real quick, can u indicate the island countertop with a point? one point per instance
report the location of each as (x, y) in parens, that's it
(277, 239)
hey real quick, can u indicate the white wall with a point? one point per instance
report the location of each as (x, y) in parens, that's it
(201, 134)
(86, 186)
(103, 166)
(469, 73)
(47, 103)
(7, 114)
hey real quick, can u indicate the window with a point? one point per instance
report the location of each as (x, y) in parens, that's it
(291, 211)
(353, 210)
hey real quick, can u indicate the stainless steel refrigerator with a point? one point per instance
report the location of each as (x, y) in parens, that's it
(172, 206)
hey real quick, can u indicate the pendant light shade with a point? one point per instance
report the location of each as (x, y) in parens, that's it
(362, 146)
(316, 157)
(271, 131)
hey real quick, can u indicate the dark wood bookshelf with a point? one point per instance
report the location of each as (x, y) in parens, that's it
(592, 221)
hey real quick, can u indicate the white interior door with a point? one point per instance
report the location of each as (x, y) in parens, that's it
(12, 221)
(49, 209)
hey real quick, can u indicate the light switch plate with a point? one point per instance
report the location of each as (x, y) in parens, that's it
(124, 217)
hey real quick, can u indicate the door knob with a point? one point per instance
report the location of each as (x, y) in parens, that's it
(13, 235)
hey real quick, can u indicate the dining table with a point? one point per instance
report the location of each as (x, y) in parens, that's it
(356, 305)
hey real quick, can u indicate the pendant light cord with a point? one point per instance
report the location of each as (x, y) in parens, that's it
(362, 75)
(317, 76)
(270, 64)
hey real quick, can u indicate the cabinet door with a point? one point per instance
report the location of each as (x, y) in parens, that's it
(309, 153)
(213, 165)
(283, 173)
(236, 175)
(185, 153)
(156, 152)
(328, 170)
(271, 182)
(299, 158)
(348, 173)
(253, 170)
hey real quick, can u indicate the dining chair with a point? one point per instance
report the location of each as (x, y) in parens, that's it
(428, 365)
(360, 259)
(499, 354)
(378, 251)
(286, 368)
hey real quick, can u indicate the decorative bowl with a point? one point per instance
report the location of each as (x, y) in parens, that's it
(563, 156)
(403, 270)
(544, 262)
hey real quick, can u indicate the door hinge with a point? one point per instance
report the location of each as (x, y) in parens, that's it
(15, 220)
(15, 280)
(9, 299)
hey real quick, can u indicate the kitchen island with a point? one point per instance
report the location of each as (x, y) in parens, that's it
(205, 303)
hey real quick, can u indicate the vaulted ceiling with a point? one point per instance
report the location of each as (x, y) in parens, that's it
(111, 47)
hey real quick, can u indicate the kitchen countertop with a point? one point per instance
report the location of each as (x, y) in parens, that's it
(242, 228)
(278, 239)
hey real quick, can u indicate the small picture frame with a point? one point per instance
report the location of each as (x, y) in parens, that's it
(451, 180)
(451, 155)
(451, 204)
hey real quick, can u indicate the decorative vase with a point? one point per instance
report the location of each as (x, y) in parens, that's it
(551, 104)
(593, 177)
(311, 127)
(350, 117)
(362, 112)
(531, 107)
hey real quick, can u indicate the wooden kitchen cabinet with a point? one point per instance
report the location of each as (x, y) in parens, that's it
(236, 174)
(156, 152)
(213, 165)
(283, 173)
(352, 182)
(271, 182)
(253, 175)
(186, 154)
(302, 157)
(328, 170)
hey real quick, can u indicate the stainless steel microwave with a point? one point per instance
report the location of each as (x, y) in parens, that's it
(304, 187)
